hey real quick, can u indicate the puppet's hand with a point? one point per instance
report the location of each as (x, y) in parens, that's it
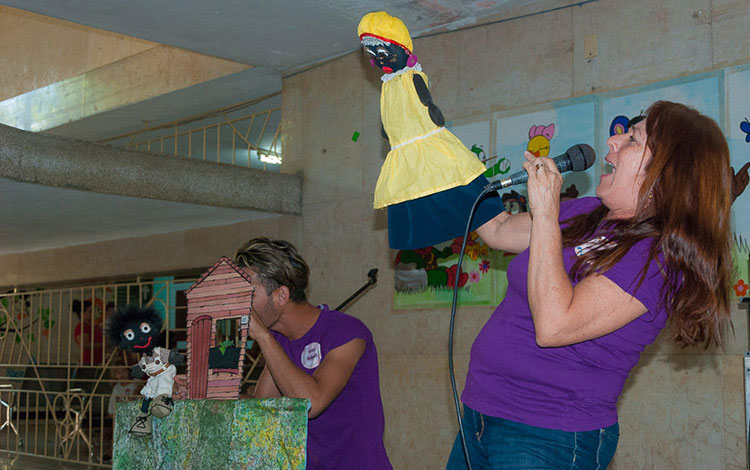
(176, 358)
(136, 372)
(426, 98)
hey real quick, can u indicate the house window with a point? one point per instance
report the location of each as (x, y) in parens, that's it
(225, 354)
(228, 332)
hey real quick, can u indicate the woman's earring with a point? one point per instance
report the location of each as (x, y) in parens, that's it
(411, 61)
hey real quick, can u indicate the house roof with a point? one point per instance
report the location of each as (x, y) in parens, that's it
(222, 260)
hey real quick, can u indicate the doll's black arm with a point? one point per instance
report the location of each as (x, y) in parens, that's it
(382, 132)
(136, 372)
(176, 358)
(426, 98)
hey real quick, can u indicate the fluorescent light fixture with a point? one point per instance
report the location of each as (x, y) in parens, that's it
(274, 159)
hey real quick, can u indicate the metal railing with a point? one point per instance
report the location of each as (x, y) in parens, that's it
(231, 135)
(57, 370)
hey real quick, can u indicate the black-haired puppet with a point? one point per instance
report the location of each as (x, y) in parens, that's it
(137, 330)
(429, 179)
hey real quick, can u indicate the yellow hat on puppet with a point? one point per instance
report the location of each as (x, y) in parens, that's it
(381, 25)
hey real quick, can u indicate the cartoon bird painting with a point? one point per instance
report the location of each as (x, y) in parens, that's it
(539, 140)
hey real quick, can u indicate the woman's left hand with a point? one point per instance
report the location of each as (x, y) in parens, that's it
(545, 182)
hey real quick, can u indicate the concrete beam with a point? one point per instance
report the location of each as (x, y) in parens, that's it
(154, 72)
(55, 161)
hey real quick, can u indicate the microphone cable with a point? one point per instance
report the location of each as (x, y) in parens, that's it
(456, 402)
(579, 157)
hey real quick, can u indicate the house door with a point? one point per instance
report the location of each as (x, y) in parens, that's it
(199, 343)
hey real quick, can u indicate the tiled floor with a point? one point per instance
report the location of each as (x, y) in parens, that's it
(41, 440)
(34, 463)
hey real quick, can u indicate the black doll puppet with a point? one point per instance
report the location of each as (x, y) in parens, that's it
(429, 179)
(137, 330)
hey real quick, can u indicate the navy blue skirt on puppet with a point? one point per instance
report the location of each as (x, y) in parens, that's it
(429, 180)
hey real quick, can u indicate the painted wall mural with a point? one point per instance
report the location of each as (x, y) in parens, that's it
(548, 131)
(737, 129)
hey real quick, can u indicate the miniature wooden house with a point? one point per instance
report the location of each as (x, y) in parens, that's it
(217, 320)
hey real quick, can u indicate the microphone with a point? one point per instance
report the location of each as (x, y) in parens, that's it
(579, 157)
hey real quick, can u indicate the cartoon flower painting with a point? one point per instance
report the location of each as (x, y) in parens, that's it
(741, 288)
(484, 265)
(477, 250)
(451, 281)
(474, 276)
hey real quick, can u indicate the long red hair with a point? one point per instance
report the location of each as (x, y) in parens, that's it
(684, 205)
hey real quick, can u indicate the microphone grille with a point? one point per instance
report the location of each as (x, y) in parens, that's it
(582, 156)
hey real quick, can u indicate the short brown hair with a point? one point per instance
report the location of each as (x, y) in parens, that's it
(277, 263)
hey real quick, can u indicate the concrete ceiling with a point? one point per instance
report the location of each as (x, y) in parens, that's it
(277, 37)
(283, 35)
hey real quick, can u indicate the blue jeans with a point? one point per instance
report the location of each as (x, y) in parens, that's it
(499, 444)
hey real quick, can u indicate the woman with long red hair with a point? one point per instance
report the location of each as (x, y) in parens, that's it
(595, 282)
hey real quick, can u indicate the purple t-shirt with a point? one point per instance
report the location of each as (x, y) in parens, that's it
(570, 388)
(349, 433)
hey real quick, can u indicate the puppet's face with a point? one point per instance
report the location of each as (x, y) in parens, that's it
(152, 363)
(135, 329)
(139, 336)
(512, 206)
(387, 57)
(514, 203)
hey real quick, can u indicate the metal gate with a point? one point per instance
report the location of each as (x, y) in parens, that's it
(57, 370)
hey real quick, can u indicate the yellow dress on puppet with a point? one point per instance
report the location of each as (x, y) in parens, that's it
(418, 146)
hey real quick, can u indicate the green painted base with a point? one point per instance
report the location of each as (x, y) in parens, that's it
(215, 434)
